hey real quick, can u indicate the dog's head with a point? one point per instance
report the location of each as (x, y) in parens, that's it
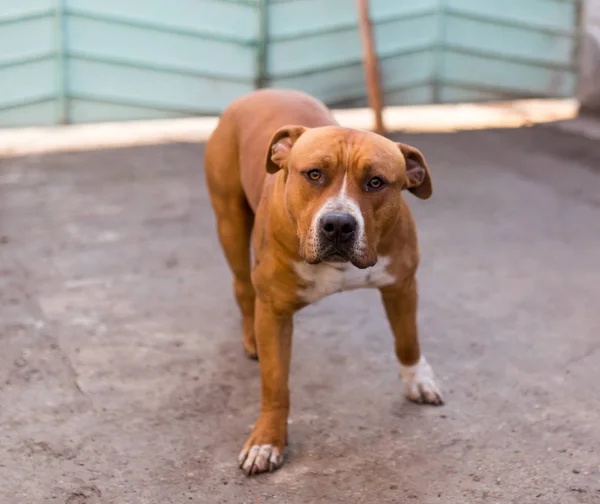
(343, 188)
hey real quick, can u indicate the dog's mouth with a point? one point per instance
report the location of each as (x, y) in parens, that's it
(321, 251)
(333, 255)
(329, 256)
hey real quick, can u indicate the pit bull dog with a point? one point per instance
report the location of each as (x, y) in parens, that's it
(322, 207)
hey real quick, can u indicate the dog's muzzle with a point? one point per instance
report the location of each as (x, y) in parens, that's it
(337, 235)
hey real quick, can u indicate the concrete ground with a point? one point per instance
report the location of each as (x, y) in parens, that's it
(122, 375)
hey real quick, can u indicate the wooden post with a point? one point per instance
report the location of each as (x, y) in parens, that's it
(371, 66)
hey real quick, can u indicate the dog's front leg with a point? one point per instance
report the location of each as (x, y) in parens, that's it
(264, 449)
(400, 301)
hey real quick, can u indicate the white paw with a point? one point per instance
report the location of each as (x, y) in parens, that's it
(260, 458)
(420, 383)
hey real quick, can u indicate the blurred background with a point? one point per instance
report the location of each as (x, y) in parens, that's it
(77, 61)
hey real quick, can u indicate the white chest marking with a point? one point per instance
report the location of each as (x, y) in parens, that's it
(325, 279)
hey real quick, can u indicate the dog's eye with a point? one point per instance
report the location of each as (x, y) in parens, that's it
(375, 183)
(314, 175)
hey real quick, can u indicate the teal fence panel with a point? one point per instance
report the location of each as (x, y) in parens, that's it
(28, 77)
(314, 45)
(77, 61)
(511, 49)
(168, 58)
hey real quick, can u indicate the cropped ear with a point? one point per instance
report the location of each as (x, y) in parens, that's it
(281, 145)
(418, 179)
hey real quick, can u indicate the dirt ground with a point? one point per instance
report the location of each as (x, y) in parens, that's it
(122, 375)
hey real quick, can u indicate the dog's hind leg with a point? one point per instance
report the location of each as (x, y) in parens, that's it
(234, 224)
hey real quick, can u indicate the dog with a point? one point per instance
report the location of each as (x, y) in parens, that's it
(321, 209)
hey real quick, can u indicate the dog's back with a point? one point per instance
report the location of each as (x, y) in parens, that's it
(236, 151)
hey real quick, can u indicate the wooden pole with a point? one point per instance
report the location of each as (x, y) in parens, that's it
(370, 62)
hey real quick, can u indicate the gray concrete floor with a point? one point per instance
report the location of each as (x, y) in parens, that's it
(122, 375)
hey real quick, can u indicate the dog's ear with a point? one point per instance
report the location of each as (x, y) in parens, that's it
(280, 146)
(418, 179)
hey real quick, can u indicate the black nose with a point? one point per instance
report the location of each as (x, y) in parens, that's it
(338, 226)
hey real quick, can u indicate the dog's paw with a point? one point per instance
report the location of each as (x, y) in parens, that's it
(249, 339)
(420, 383)
(260, 458)
(264, 449)
(251, 353)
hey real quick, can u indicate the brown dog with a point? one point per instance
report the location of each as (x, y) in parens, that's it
(325, 209)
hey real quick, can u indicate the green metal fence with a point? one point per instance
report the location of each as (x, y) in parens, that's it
(74, 61)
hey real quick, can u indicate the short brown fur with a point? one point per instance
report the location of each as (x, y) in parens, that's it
(256, 162)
